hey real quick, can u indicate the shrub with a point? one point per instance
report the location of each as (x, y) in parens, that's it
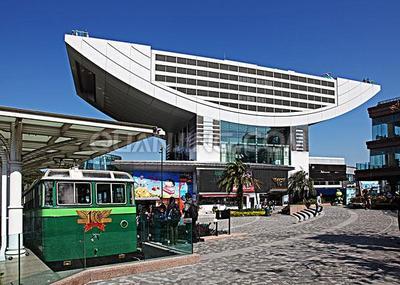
(247, 213)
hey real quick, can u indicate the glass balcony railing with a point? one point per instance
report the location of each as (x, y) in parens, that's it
(367, 165)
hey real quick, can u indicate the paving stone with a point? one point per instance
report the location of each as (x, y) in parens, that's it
(341, 246)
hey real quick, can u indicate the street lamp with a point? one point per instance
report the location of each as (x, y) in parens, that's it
(161, 172)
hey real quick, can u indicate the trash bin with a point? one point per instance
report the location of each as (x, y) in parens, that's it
(267, 211)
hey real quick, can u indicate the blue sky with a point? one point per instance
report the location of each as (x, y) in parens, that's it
(354, 39)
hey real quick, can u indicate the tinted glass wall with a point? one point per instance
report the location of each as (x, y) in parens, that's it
(254, 144)
(207, 180)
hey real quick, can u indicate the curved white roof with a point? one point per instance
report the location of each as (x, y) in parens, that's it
(128, 87)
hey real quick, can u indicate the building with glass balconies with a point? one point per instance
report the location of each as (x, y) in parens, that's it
(384, 148)
(213, 110)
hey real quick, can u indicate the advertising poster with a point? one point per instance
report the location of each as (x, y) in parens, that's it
(175, 184)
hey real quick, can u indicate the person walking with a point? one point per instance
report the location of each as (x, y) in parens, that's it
(173, 218)
(190, 211)
(318, 204)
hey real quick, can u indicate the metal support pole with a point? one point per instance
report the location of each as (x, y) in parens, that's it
(216, 228)
(229, 224)
(161, 173)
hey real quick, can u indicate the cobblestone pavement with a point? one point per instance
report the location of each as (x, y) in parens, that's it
(341, 246)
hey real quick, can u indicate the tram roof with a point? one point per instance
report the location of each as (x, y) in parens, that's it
(51, 140)
(83, 174)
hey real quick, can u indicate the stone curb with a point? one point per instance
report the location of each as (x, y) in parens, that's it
(108, 272)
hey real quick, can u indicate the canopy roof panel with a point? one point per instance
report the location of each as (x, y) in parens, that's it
(49, 140)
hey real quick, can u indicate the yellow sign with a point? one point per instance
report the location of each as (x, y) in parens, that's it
(94, 219)
(279, 181)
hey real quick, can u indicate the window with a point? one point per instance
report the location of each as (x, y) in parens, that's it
(103, 193)
(47, 187)
(202, 92)
(233, 68)
(252, 89)
(251, 71)
(191, 71)
(181, 80)
(233, 87)
(191, 61)
(191, 81)
(224, 85)
(233, 77)
(160, 57)
(82, 193)
(202, 63)
(181, 70)
(69, 193)
(224, 66)
(202, 83)
(171, 79)
(171, 69)
(110, 193)
(160, 77)
(233, 96)
(118, 193)
(213, 84)
(202, 73)
(160, 67)
(171, 58)
(213, 65)
(224, 76)
(213, 74)
(181, 60)
(65, 193)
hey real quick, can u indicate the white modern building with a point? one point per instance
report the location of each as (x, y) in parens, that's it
(213, 110)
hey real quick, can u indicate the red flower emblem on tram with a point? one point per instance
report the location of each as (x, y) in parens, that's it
(94, 219)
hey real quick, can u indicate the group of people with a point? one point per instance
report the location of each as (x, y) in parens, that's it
(160, 223)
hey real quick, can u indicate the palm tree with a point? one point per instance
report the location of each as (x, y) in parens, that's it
(238, 175)
(300, 186)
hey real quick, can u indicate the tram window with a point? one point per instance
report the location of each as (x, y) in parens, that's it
(65, 193)
(103, 193)
(121, 176)
(118, 191)
(47, 187)
(82, 193)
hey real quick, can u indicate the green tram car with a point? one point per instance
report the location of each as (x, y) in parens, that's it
(76, 218)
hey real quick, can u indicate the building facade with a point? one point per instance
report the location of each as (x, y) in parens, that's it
(213, 110)
(328, 174)
(384, 148)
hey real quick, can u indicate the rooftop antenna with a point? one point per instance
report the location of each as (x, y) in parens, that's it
(224, 56)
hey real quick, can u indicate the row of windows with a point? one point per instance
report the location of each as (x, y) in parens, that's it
(235, 68)
(248, 98)
(250, 89)
(254, 108)
(69, 193)
(230, 86)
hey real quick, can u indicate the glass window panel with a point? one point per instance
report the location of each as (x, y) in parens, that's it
(103, 192)
(65, 193)
(118, 191)
(82, 193)
(47, 187)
